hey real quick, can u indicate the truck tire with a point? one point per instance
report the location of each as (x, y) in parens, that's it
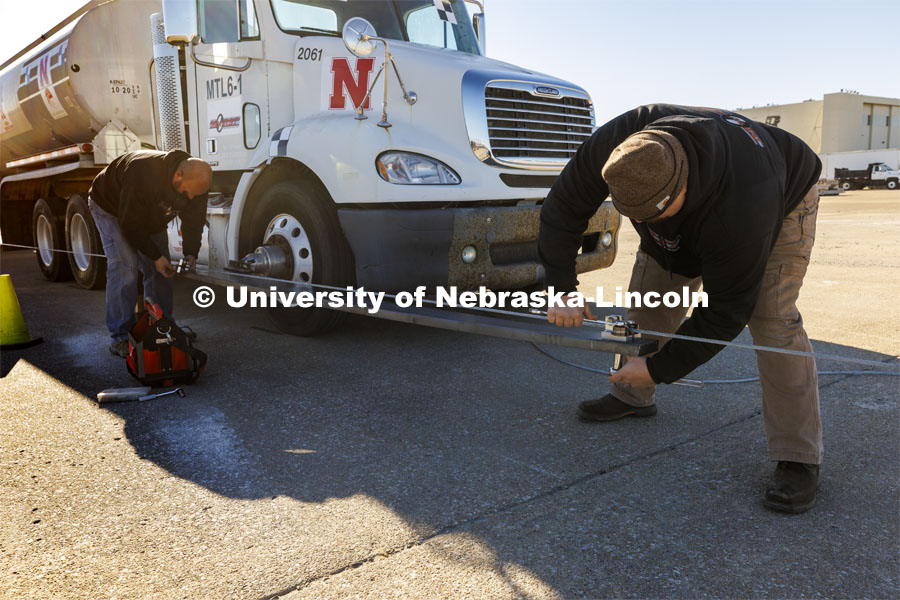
(83, 239)
(891, 184)
(846, 186)
(304, 213)
(49, 229)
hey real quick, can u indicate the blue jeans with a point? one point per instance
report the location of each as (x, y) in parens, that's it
(123, 263)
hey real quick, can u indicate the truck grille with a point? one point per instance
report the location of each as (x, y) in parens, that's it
(522, 125)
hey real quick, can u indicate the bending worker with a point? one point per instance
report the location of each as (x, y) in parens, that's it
(132, 200)
(719, 199)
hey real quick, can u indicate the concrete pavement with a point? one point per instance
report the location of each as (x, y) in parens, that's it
(386, 460)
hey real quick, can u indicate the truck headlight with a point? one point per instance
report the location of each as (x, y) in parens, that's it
(405, 168)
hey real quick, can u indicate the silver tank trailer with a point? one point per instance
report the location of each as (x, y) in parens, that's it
(93, 71)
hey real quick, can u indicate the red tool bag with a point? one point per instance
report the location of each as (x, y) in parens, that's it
(160, 353)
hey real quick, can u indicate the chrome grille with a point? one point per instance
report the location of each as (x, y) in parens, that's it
(526, 126)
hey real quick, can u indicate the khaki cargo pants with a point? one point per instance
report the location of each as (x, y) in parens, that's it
(790, 390)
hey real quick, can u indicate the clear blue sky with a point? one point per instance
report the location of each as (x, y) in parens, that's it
(724, 53)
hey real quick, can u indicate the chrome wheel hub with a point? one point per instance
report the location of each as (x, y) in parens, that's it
(81, 242)
(286, 230)
(45, 240)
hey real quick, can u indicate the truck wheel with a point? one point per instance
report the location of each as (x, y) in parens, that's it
(49, 229)
(301, 217)
(83, 239)
(891, 184)
(846, 186)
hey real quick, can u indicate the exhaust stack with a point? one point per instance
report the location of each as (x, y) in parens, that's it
(168, 88)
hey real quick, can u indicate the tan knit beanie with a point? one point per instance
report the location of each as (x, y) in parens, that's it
(645, 173)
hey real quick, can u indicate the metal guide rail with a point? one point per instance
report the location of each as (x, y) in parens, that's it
(524, 328)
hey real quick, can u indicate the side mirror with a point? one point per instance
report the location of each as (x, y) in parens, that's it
(356, 34)
(478, 24)
(180, 19)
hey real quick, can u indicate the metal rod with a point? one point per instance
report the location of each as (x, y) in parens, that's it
(406, 96)
(524, 329)
(359, 109)
(384, 122)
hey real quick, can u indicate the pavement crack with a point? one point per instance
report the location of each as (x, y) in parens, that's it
(589, 477)
(562, 487)
(508, 507)
(350, 567)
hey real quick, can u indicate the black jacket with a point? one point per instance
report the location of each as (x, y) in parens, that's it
(744, 178)
(137, 188)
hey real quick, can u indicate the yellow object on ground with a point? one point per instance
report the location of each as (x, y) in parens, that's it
(13, 332)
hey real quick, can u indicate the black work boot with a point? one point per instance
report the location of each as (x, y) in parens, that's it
(610, 408)
(793, 487)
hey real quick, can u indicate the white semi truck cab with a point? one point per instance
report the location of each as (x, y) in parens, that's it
(352, 142)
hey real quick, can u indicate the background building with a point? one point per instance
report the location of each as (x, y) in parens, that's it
(846, 129)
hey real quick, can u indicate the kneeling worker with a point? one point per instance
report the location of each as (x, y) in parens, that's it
(132, 201)
(715, 198)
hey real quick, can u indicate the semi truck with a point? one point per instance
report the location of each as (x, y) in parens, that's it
(370, 144)
(877, 174)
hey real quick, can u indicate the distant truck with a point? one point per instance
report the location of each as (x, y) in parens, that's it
(877, 174)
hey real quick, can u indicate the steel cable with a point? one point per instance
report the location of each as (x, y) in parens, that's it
(711, 381)
(539, 315)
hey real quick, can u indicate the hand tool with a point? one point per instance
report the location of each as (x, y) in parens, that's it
(122, 394)
(182, 266)
(615, 326)
(179, 391)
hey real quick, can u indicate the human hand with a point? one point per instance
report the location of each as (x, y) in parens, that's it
(634, 373)
(165, 268)
(566, 316)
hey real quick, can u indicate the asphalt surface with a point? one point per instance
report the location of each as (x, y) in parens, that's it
(388, 460)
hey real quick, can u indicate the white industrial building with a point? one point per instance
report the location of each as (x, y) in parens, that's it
(846, 129)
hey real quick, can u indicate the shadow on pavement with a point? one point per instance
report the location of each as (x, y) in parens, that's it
(460, 433)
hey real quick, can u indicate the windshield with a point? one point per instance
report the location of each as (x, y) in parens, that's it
(416, 21)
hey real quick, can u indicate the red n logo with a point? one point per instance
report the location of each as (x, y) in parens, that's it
(343, 79)
(44, 71)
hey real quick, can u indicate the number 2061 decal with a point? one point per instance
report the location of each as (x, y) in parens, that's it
(309, 54)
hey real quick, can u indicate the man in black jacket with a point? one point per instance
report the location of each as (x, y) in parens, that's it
(132, 200)
(718, 199)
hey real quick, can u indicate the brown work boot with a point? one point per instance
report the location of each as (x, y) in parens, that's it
(793, 487)
(119, 348)
(610, 408)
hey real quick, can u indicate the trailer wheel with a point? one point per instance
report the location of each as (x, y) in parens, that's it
(846, 186)
(49, 229)
(83, 240)
(891, 184)
(301, 217)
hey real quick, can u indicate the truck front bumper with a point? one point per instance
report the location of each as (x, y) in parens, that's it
(400, 249)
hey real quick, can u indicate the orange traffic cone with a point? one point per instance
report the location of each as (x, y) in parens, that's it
(13, 333)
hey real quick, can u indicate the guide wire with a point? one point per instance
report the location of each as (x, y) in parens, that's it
(709, 381)
(541, 315)
(535, 314)
(53, 250)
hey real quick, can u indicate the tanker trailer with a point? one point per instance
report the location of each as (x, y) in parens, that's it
(68, 106)
(432, 178)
